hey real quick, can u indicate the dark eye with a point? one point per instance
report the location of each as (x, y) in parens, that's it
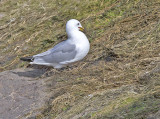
(78, 24)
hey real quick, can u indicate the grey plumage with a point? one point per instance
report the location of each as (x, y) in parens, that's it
(61, 52)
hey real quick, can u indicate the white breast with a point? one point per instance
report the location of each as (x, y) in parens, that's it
(82, 47)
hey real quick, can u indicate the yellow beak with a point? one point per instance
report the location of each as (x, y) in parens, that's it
(81, 29)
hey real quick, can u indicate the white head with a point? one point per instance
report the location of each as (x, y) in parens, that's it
(73, 25)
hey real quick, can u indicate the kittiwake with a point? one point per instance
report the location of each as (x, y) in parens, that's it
(75, 48)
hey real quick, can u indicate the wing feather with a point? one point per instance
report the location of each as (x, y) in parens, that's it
(63, 51)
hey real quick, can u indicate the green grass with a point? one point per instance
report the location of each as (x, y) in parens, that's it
(126, 31)
(30, 24)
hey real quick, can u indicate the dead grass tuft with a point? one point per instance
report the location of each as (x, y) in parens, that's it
(120, 76)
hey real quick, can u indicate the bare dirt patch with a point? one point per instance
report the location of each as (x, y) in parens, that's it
(21, 93)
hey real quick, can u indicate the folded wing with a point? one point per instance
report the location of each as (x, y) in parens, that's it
(64, 51)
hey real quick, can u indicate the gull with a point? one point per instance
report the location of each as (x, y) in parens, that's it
(74, 49)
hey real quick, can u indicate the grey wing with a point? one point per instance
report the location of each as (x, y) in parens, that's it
(52, 49)
(63, 51)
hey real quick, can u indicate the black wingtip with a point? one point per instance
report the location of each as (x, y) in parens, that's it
(28, 59)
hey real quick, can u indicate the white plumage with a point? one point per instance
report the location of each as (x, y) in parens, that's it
(75, 48)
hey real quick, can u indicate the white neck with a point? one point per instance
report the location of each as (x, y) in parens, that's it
(75, 34)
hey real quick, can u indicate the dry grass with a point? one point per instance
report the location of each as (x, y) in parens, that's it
(29, 26)
(120, 76)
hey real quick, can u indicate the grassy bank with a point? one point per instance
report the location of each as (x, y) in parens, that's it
(120, 77)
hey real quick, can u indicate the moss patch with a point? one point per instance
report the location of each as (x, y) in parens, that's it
(119, 78)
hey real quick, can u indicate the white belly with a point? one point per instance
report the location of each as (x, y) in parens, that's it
(82, 49)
